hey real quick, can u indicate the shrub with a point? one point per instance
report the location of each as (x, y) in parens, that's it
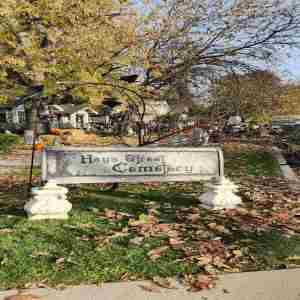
(13, 128)
(7, 141)
(293, 136)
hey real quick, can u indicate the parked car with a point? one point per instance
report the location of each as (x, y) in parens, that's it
(284, 127)
(235, 129)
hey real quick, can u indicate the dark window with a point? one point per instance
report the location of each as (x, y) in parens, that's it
(2, 117)
(21, 116)
(9, 117)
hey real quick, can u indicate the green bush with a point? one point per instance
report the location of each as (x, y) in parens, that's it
(293, 136)
(7, 141)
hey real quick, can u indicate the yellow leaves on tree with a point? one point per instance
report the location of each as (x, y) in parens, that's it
(65, 40)
(252, 95)
(290, 100)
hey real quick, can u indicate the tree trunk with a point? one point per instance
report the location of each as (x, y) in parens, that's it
(141, 133)
(31, 117)
(31, 125)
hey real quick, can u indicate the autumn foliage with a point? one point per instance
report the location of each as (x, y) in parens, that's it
(39, 147)
(55, 131)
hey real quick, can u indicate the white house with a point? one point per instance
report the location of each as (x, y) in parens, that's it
(72, 116)
(12, 114)
(77, 116)
(61, 116)
(155, 109)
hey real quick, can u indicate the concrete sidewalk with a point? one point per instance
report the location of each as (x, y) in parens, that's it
(287, 172)
(275, 285)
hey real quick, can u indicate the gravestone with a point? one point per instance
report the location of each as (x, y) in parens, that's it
(71, 165)
(234, 120)
(28, 137)
(200, 136)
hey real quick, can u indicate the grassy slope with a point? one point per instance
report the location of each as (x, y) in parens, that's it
(251, 163)
(86, 248)
(7, 141)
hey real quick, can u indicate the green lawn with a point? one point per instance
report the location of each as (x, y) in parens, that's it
(119, 235)
(260, 163)
(7, 141)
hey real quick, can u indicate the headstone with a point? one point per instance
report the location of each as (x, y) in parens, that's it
(130, 131)
(28, 137)
(205, 137)
(234, 120)
(200, 136)
(180, 125)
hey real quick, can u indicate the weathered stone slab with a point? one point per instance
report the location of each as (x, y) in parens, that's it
(69, 165)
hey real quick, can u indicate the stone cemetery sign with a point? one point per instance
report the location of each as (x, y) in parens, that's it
(99, 165)
(69, 165)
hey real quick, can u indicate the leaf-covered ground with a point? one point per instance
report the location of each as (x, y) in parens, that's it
(154, 231)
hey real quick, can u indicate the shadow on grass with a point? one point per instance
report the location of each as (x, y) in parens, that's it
(135, 200)
(272, 250)
(88, 248)
(12, 203)
(131, 199)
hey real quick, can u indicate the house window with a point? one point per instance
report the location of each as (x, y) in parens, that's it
(79, 121)
(2, 117)
(9, 117)
(21, 116)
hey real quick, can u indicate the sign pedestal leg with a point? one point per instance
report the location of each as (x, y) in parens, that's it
(220, 195)
(48, 202)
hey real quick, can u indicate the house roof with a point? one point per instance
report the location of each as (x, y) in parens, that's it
(70, 108)
(112, 102)
(11, 105)
(6, 106)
